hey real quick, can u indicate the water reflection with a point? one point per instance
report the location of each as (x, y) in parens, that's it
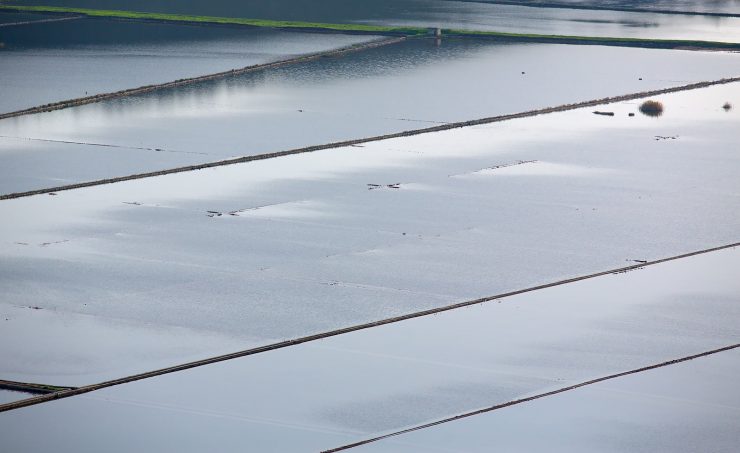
(99, 56)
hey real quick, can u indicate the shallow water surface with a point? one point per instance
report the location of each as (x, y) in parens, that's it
(269, 250)
(400, 375)
(473, 15)
(411, 85)
(672, 409)
(99, 56)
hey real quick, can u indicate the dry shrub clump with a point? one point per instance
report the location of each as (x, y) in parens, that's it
(652, 108)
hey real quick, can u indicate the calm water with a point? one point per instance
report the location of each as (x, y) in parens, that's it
(99, 56)
(671, 409)
(452, 14)
(6, 19)
(303, 245)
(407, 86)
(359, 385)
(712, 6)
(7, 396)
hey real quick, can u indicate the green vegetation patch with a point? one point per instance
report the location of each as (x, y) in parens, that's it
(635, 42)
(377, 29)
(220, 20)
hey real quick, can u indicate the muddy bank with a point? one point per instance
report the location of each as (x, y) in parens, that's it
(359, 141)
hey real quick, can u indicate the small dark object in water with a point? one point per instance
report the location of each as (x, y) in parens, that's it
(652, 108)
(604, 113)
(630, 114)
(640, 78)
(727, 106)
(523, 72)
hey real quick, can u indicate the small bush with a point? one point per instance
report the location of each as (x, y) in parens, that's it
(652, 108)
(727, 106)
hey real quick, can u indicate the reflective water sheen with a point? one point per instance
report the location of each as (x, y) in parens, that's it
(711, 6)
(400, 375)
(280, 248)
(100, 56)
(405, 86)
(676, 409)
(7, 396)
(452, 14)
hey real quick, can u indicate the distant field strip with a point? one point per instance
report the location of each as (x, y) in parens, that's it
(40, 21)
(116, 14)
(346, 143)
(378, 29)
(535, 397)
(319, 336)
(204, 78)
(557, 5)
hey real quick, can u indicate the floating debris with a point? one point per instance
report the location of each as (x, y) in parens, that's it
(384, 186)
(519, 162)
(214, 213)
(604, 113)
(666, 137)
(45, 244)
(727, 106)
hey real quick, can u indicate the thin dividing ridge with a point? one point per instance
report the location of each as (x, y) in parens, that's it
(577, 6)
(192, 80)
(39, 21)
(319, 336)
(359, 141)
(33, 388)
(534, 397)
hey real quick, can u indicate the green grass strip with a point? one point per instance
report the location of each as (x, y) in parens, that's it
(667, 43)
(219, 20)
(377, 29)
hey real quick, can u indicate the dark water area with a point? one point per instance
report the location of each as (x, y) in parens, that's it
(411, 85)
(340, 10)
(468, 15)
(699, 6)
(99, 56)
(92, 32)
(304, 10)
(6, 19)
